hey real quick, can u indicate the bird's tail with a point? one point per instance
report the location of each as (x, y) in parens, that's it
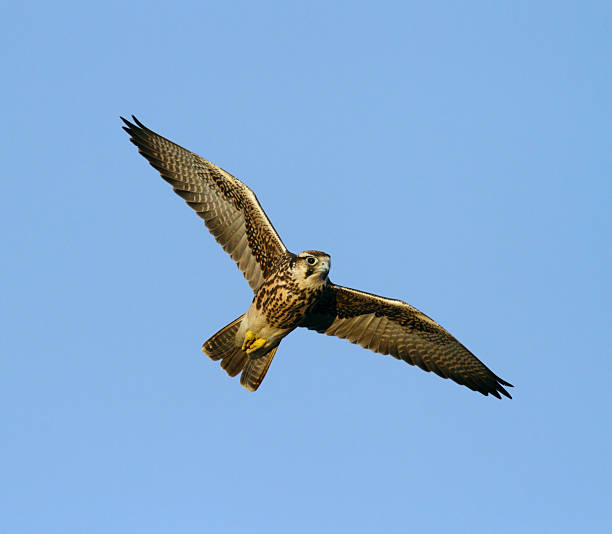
(255, 370)
(222, 346)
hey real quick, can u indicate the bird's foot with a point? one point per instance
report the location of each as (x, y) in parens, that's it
(252, 342)
(257, 344)
(248, 339)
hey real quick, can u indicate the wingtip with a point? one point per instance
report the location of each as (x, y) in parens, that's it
(500, 386)
(126, 122)
(504, 383)
(502, 390)
(136, 125)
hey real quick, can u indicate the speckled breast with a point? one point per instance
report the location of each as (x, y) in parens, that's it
(283, 302)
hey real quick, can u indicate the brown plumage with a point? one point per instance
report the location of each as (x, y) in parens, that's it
(229, 208)
(292, 290)
(393, 327)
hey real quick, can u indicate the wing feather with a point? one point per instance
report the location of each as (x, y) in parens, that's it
(390, 326)
(229, 208)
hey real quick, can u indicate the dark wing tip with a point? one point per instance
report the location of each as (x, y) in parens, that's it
(133, 128)
(138, 123)
(140, 135)
(497, 387)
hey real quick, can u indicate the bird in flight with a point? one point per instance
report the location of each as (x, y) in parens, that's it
(294, 290)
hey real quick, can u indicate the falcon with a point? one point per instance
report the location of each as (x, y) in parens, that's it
(294, 290)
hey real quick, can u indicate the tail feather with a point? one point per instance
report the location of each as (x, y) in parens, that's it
(255, 370)
(223, 343)
(234, 362)
(222, 346)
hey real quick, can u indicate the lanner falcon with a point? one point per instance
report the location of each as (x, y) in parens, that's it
(294, 290)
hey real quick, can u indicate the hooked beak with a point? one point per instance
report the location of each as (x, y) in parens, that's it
(324, 266)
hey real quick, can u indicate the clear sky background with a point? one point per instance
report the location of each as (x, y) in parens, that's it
(455, 155)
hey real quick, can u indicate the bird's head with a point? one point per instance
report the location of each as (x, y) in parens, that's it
(312, 266)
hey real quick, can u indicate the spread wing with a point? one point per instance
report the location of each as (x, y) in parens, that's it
(393, 327)
(229, 208)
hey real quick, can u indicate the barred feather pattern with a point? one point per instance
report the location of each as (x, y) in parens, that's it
(393, 327)
(229, 208)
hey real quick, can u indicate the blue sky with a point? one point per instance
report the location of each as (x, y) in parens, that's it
(454, 155)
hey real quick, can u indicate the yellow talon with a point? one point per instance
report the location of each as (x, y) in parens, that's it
(248, 339)
(257, 344)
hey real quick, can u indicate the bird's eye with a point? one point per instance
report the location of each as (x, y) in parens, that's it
(311, 260)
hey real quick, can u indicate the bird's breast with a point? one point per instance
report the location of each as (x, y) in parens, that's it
(284, 303)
